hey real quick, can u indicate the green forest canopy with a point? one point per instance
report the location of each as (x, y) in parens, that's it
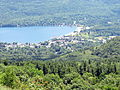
(56, 12)
(66, 73)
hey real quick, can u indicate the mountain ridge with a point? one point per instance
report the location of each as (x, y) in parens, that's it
(47, 12)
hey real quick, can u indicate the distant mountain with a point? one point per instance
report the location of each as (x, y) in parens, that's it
(54, 12)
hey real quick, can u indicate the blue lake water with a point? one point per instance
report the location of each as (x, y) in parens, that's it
(32, 34)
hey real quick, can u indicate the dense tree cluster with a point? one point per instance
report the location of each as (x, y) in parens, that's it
(80, 70)
(62, 75)
(104, 30)
(110, 49)
(63, 12)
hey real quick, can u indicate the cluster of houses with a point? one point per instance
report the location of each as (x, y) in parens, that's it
(65, 41)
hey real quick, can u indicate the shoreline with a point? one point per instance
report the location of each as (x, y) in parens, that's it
(60, 25)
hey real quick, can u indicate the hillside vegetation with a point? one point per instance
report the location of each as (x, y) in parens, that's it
(84, 60)
(112, 48)
(54, 12)
(79, 70)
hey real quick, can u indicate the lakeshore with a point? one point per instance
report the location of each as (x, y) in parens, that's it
(78, 36)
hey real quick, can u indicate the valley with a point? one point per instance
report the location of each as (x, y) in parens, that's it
(59, 45)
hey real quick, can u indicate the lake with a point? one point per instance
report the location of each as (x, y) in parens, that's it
(32, 34)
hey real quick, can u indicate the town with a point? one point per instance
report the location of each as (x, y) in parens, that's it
(69, 41)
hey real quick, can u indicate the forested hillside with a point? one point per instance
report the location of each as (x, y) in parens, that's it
(86, 59)
(79, 70)
(112, 48)
(54, 12)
